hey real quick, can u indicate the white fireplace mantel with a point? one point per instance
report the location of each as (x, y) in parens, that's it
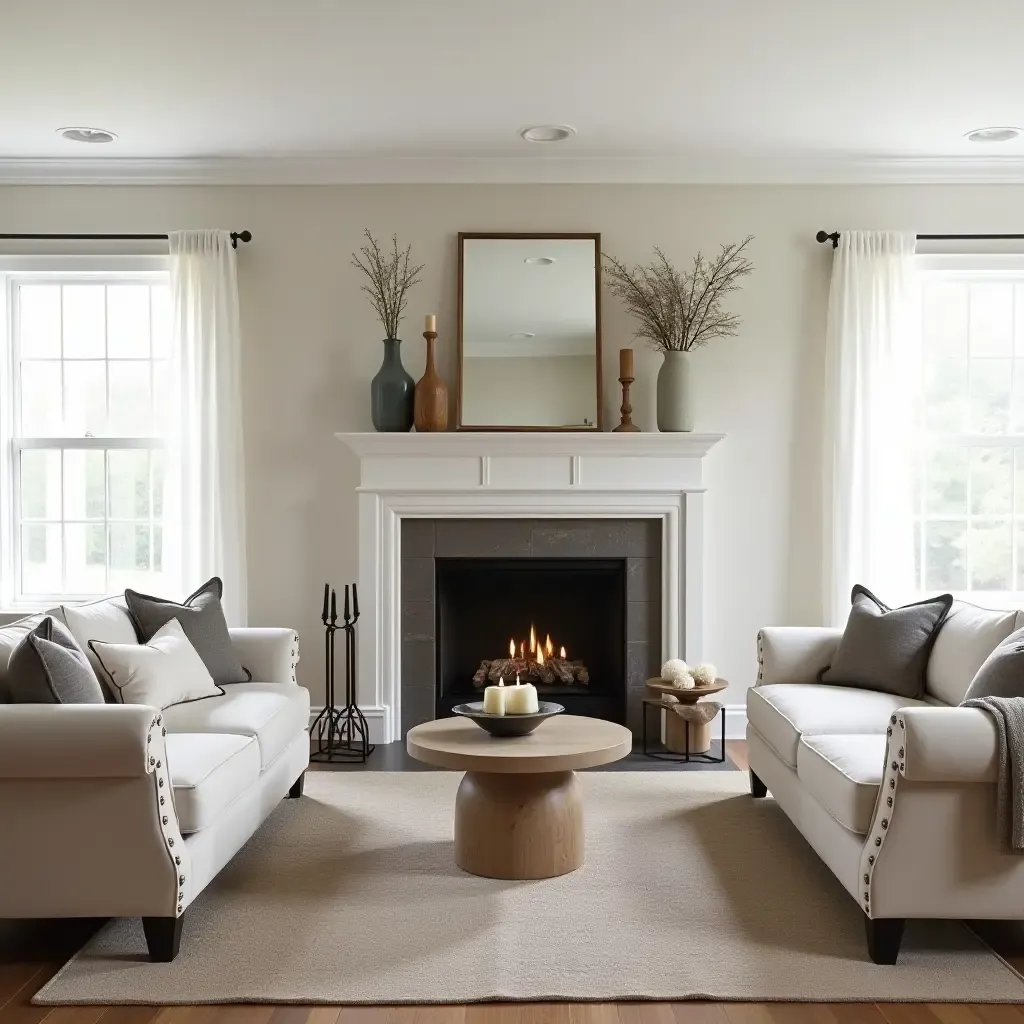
(520, 475)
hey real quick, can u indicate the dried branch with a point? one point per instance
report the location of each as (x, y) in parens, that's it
(676, 311)
(389, 278)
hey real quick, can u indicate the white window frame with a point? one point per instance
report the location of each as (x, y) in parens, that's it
(981, 267)
(41, 269)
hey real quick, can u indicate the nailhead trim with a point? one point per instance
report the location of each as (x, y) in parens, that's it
(880, 825)
(168, 826)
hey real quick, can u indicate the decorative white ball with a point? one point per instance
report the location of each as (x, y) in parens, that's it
(674, 669)
(705, 674)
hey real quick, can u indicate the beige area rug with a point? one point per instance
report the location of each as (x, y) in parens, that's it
(690, 890)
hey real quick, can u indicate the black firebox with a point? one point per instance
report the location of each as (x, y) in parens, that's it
(560, 621)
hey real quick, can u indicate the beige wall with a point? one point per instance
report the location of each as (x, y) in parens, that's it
(311, 347)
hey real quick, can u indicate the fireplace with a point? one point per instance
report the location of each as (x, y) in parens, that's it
(559, 623)
(461, 494)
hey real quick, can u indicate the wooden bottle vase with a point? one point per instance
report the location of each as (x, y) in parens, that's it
(430, 407)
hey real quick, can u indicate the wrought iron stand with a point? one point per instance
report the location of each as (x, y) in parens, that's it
(342, 734)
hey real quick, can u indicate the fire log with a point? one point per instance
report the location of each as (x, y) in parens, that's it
(553, 671)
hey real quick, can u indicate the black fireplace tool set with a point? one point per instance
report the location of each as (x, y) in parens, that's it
(342, 733)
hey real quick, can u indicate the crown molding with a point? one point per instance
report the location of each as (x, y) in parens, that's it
(700, 169)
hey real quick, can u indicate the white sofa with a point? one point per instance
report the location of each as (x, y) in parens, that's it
(121, 810)
(897, 796)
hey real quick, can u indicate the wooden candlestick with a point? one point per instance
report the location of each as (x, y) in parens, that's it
(626, 424)
(430, 399)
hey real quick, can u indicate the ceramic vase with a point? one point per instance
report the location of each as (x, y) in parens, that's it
(430, 408)
(391, 392)
(675, 398)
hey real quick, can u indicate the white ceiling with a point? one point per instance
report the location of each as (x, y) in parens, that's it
(438, 89)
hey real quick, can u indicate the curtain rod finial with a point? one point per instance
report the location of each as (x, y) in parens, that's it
(240, 236)
(824, 236)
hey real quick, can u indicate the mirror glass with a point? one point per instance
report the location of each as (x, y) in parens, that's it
(529, 333)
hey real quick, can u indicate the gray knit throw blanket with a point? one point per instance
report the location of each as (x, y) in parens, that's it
(1008, 715)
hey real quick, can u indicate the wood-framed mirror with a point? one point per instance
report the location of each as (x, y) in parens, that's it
(529, 331)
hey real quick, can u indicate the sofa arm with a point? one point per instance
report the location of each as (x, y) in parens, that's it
(949, 745)
(794, 654)
(75, 741)
(270, 653)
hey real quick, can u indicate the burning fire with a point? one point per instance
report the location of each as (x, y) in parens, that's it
(541, 652)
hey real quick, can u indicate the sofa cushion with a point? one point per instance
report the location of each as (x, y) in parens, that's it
(967, 637)
(272, 712)
(48, 667)
(843, 774)
(105, 621)
(165, 670)
(208, 772)
(202, 618)
(782, 712)
(885, 648)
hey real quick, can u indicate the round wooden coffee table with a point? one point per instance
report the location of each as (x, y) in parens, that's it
(519, 809)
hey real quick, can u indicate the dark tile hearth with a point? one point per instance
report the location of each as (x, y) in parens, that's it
(393, 757)
(635, 544)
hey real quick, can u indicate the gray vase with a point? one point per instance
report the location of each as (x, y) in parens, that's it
(392, 392)
(675, 396)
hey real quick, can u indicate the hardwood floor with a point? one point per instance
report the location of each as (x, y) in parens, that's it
(30, 952)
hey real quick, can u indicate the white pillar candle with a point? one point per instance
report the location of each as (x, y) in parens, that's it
(521, 699)
(494, 698)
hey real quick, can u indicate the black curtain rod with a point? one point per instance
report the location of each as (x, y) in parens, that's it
(824, 236)
(236, 237)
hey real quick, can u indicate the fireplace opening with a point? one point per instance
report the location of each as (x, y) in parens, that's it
(559, 622)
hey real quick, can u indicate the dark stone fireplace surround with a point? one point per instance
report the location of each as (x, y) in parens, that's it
(637, 541)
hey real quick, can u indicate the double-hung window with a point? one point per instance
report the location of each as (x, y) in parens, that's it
(85, 389)
(969, 472)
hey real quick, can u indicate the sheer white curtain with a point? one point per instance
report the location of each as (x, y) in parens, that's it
(206, 478)
(870, 352)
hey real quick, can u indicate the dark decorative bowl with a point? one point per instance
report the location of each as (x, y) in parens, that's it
(507, 725)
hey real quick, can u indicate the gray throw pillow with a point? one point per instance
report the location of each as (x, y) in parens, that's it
(201, 618)
(1002, 672)
(885, 648)
(48, 667)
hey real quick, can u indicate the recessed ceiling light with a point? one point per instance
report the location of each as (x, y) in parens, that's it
(523, 334)
(1001, 133)
(539, 261)
(93, 135)
(548, 133)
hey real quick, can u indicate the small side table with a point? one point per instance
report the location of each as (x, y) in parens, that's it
(689, 741)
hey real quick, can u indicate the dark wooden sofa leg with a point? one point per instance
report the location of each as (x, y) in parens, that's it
(163, 936)
(757, 787)
(884, 937)
(296, 791)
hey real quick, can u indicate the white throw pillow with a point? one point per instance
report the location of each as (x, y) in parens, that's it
(163, 672)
